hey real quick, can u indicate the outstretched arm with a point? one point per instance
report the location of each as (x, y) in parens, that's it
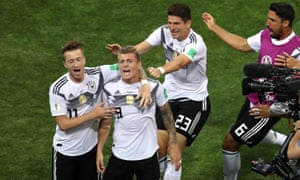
(173, 149)
(178, 63)
(237, 42)
(141, 47)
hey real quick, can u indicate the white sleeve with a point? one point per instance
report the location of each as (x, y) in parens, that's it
(195, 51)
(58, 105)
(296, 53)
(154, 39)
(161, 95)
(110, 72)
(255, 41)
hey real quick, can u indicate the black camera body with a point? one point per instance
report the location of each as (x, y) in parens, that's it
(280, 165)
(284, 83)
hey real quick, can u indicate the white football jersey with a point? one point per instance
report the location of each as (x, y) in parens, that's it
(190, 81)
(75, 99)
(135, 130)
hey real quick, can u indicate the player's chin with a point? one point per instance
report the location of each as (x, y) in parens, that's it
(175, 35)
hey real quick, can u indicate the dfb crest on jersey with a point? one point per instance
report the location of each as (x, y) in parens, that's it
(82, 99)
(129, 99)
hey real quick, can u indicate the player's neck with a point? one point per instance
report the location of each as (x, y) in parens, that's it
(286, 34)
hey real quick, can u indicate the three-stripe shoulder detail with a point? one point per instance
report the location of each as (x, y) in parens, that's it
(59, 84)
(93, 71)
(193, 38)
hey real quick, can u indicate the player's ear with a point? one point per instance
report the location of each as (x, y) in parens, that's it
(189, 23)
(285, 23)
(65, 65)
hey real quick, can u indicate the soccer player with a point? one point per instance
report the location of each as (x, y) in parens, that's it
(75, 103)
(185, 80)
(134, 148)
(276, 39)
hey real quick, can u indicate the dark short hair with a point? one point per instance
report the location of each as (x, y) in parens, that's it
(284, 10)
(181, 10)
(71, 45)
(130, 49)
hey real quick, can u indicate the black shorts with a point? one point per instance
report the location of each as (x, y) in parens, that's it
(74, 167)
(147, 169)
(248, 130)
(190, 116)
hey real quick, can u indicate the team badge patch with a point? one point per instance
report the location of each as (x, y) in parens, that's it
(192, 53)
(92, 86)
(82, 99)
(129, 99)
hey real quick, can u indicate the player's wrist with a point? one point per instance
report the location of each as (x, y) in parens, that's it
(144, 82)
(161, 70)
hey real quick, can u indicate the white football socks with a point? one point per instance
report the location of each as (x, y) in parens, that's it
(163, 164)
(231, 164)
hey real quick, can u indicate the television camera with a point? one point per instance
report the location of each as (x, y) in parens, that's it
(284, 84)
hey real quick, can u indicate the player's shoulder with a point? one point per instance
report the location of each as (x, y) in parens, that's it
(195, 37)
(164, 28)
(59, 83)
(154, 83)
(92, 70)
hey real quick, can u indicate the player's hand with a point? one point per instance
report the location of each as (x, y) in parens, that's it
(175, 155)
(260, 111)
(154, 72)
(103, 112)
(100, 161)
(145, 96)
(113, 48)
(286, 60)
(209, 20)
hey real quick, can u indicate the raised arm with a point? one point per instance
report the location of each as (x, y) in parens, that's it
(141, 47)
(237, 42)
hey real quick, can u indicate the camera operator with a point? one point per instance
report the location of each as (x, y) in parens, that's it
(284, 60)
(276, 38)
(293, 151)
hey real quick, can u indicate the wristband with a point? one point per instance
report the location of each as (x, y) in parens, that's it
(161, 70)
(144, 82)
